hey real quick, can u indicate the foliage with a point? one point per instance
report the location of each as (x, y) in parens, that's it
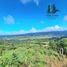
(30, 54)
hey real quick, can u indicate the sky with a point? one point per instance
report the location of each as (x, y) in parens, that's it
(27, 16)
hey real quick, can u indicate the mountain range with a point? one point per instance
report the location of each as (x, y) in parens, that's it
(50, 33)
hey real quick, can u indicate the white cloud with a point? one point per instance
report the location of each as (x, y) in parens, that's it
(33, 30)
(36, 2)
(65, 17)
(29, 1)
(13, 32)
(54, 28)
(25, 1)
(17, 32)
(9, 19)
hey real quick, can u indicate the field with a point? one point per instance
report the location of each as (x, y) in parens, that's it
(34, 51)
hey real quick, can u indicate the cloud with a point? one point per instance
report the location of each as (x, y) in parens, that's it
(33, 30)
(65, 17)
(9, 19)
(36, 2)
(47, 29)
(54, 28)
(29, 1)
(16, 32)
(25, 1)
(13, 32)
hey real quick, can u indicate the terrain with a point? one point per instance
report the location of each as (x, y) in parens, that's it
(34, 50)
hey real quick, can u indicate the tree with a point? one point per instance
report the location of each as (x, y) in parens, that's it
(52, 45)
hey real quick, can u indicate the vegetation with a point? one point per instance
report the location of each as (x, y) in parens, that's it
(33, 53)
(57, 44)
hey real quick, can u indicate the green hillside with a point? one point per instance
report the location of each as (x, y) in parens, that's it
(33, 52)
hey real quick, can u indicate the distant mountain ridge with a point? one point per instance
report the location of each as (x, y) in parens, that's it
(51, 33)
